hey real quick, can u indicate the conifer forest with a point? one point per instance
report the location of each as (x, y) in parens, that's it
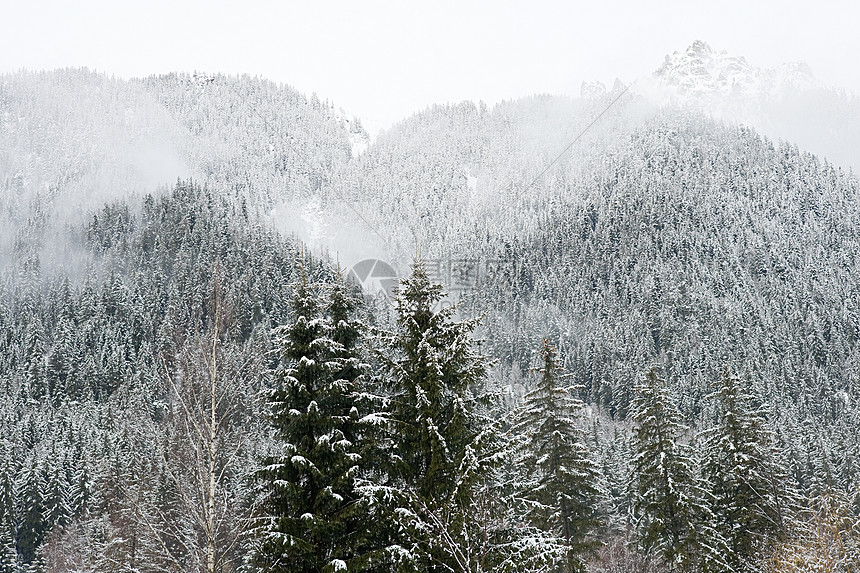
(239, 334)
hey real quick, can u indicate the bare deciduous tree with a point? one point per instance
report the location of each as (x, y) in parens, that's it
(195, 515)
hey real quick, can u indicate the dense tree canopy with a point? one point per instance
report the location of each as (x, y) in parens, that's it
(145, 337)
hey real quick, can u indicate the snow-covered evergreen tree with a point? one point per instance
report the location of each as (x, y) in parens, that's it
(670, 504)
(361, 543)
(562, 478)
(30, 518)
(8, 551)
(751, 490)
(311, 485)
(440, 445)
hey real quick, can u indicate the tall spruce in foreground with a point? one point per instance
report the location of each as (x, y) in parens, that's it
(751, 493)
(316, 523)
(364, 540)
(436, 437)
(673, 519)
(561, 487)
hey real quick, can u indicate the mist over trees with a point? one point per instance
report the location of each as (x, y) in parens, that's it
(660, 373)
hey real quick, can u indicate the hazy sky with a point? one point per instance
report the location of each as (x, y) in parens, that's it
(383, 61)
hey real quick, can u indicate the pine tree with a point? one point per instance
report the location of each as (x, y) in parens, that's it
(751, 495)
(56, 502)
(669, 500)
(359, 543)
(441, 448)
(30, 522)
(562, 478)
(431, 374)
(316, 523)
(8, 552)
(34, 357)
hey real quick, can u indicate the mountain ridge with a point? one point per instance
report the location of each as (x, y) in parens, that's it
(702, 70)
(786, 102)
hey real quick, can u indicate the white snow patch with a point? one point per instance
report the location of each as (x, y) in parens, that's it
(471, 182)
(359, 140)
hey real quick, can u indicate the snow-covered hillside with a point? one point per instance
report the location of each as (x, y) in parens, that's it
(686, 287)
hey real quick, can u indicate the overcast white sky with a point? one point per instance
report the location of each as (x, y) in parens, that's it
(384, 60)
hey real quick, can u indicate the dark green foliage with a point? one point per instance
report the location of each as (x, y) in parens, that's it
(317, 518)
(437, 451)
(432, 372)
(562, 478)
(674, 522)
(30, 514)
(8, 553)
(752, 499)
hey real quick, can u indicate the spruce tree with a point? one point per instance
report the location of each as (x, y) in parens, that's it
(8, 551)
(30, 518)
(311, 486)
(360, 542)
(562, 482)
(437, 439)
(751, 495)
(669, 501)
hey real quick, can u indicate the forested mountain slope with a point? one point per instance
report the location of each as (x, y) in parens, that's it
(692, 222)
(71, 140)
(454, 177)
(699, 247)
(660, 238)
(667, 239)
(676, 228)
(97, 377)
(267, 142)
(76, 139)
